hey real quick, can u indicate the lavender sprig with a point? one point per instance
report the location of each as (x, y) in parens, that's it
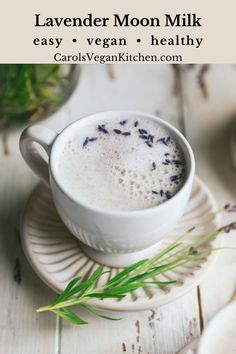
(80, 291)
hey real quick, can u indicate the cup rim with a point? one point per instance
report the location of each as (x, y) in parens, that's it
(128, 213)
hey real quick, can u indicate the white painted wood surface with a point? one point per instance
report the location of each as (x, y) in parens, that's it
(176, 96)
(210, 121)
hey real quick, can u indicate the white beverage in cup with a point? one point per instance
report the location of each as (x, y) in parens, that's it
(122, 165)
(120, 180)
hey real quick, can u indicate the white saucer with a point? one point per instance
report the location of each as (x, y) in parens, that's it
(56, 256)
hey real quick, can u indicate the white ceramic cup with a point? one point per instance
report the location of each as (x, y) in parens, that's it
(219, 335)
(114, 238)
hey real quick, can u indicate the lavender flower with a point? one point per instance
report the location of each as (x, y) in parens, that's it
(117, 131)
(227, 228)
(175, 178)
(150, 137)
(231, 208)
(148, 143)
(178, 162)
(192, 251)
(86, 141)
(154, 166)
(168, 195)
(154, 192)
(144, 137)
(101, 128)
(123, 122)
(164, 141)
(142, 131)
(166, 162)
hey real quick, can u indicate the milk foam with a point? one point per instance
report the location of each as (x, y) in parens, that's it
(122, 165)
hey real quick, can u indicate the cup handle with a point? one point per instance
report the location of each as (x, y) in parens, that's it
(44, 137)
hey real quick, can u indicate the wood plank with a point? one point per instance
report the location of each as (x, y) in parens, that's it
(145, 88)
(210, 113)
(148, 88)
(164, 330)
(22, 331)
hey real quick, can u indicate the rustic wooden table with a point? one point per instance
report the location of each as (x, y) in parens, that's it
(200, 100)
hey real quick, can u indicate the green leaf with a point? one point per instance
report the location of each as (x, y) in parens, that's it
(92, 280)
(137, 275)
(99, 314)
(104, 295)
(126, 271)
(69, 316)
(161, 282)
(66, 292)
(80, 289)
(123, 290)
(165, 251)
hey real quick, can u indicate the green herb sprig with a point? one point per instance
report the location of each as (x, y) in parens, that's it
(79, 292)
(31, 91)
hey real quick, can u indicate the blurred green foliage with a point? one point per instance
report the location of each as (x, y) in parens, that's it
(28, 90)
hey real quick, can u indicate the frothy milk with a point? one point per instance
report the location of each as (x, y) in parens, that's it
(122, 165)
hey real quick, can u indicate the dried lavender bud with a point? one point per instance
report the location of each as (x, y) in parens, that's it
(123, 122)
(164, 141)
(166, 162)
(154, 192)
(175, 178)
(101, 128)
(231, 208)
(117, 131)
(154, 166)
(161, 193)
(136, 124)
(126, 133)
(191, 229)
(167, 154)
(144, 137)
(193, 251)
(177, 162)
(86, 141)
(150, 137)
(168, 194)
(228, 228)
(148, 144)
(142, 131)
(161, 140)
